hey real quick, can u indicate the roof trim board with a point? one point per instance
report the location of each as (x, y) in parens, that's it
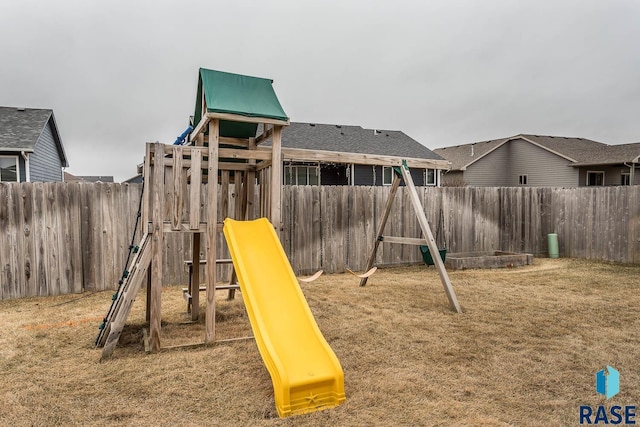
(612, 163)
(512, 138)
(546, 148)
(56, 135)
(464, 168)
(16, 150)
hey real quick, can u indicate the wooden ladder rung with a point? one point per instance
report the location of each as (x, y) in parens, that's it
(185, 291)
(187, 295)
(204, 261)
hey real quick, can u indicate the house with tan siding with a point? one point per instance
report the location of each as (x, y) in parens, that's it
(541, 161)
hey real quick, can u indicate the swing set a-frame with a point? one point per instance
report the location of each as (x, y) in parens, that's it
(402, 173)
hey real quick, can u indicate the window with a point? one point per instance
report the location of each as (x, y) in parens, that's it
(387, 175)
(522, 179)
(9, 171)
(430, 177)
(301, 175)
(595, 178)
(625, 178)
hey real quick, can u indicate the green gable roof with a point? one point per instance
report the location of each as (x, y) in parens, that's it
(237, 94)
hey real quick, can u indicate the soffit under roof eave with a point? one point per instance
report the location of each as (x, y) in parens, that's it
(612, 163)
(16, 150)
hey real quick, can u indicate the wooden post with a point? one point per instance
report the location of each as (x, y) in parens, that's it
(147, 186)
(276, 178)
(224, 194)
(194, 190)
(224, 203)
(195, 277)
(156, 190)
(212, 225)
(178, 196)
(240, 206)
(261, 210)
(238, 179)
(383, 223)
(250, 180)
(148, 312)
(431, 243)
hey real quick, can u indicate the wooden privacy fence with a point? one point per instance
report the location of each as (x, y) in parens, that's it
(58, 238)
(334, 227)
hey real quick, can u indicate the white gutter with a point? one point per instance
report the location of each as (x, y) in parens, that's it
(27, 171)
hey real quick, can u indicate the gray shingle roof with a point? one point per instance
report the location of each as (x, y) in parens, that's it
(612, 154)
(463, 155)
(353, 139)
(579, 151)
(21, 128)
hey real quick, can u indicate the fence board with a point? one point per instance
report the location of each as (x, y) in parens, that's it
(5, 277)
(380, 195)
(334, 227)
(316, 231)
(11, 262)
(29, 280)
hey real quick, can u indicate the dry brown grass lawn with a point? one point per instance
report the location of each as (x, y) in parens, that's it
(524, 352)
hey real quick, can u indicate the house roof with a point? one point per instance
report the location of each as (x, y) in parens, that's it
(578, 151)
(237, 94)
(612, 154)
(353, 139)
(86, 178)
(20, 129)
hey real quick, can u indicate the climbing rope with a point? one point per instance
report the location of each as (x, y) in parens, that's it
(125, 273)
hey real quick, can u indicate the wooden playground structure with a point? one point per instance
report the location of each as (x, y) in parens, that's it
(186, 190)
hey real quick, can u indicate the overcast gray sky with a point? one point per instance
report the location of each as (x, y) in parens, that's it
(121, 73)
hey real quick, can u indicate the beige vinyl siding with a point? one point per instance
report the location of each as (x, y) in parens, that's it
(543, 168)
(502, 167)
(491, 170)
(452, 179)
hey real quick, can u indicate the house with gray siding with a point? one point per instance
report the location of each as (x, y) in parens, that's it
(536, 160)
(31, 149)
(352, 139)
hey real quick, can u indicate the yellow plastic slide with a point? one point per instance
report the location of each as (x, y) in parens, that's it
(305, 372)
